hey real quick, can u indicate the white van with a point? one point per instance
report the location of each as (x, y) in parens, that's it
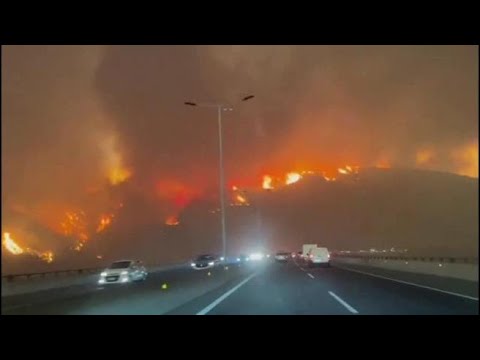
(318, 256)
(306, 250)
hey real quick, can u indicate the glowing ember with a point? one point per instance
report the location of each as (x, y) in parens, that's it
(234, 188)
(172, 221)
(342, 171)
(11, 245)
(241, 199)
(267, 182)
(329, 179)
(47, 256)
(292, 177)
(105, 222)
(119, 175)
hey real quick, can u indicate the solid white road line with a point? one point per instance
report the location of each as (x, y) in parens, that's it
(210, 307)
(313, 277)
(410, 283)
(349, 308)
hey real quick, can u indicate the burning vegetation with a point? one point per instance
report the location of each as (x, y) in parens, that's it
(15, 249)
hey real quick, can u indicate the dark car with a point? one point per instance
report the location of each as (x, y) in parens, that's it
(206, 261)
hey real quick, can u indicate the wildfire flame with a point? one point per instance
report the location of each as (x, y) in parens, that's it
(241, 199)
(47, 256)
(172, 221)
(118, 175)
(292, 177)
(11, 245)
(75, 225)
(16, 249)
(348, 170)
(105, 221)
(267, 182)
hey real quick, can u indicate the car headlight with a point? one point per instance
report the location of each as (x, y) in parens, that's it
(192, 264)
(238, 259)
(124, 273)
(211, 263)
(256, 256)
(103, 273)
(222, 258)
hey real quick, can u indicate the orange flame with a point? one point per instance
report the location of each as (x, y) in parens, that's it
(118, 175)
(16, 249)
(172, 221)
(11, 245)
(47, 256)
(292, 177)
(241, 199)
(105, 221)
(267, 182)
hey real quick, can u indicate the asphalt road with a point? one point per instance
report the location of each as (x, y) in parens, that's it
(263, 289)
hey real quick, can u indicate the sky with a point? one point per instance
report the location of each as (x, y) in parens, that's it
(81, 122)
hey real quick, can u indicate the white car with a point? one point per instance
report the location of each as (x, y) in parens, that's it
(318, 256)
(282, 256)
(124, 271)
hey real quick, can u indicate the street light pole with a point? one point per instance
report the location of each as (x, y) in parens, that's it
(220, 108)
(222, 182)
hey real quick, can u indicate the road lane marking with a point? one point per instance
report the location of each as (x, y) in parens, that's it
(410, 283)
(349, 308)
(313, 277)
(210, 307)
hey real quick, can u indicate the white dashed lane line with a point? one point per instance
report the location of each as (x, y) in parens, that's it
(349, 308)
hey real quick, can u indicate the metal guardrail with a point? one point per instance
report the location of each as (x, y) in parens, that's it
(436, 259)
(12, 277)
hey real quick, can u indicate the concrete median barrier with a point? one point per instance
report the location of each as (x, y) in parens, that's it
(459, 268)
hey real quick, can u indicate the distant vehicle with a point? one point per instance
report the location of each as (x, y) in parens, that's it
(256, 256)
(282, 256)
(124, 271)
(306, 249)
(206, 261)
(243, 258)
(318, 256)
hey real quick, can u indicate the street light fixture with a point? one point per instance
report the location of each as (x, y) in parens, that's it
(220, 108)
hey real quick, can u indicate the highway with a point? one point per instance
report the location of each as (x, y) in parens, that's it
(264, 288)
